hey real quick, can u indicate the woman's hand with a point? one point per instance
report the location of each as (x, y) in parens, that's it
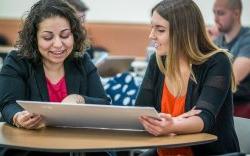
(28, 120)
(157, 126)
(74, 98)
(165, 124)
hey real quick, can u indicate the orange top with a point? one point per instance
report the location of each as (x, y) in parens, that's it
(174, 106)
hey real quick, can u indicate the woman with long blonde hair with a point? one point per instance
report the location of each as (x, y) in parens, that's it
(189, 80)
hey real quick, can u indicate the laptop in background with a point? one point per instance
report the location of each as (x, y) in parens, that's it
(113, 65)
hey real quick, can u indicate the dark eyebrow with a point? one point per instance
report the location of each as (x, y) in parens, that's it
(160, 26)
(47, 32)
(52, 32)
(65, 30)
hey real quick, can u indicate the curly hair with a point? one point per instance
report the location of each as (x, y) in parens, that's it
(43, 9)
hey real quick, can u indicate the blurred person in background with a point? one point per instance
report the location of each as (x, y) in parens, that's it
(236, 38)
(81, 10)
(3, 40)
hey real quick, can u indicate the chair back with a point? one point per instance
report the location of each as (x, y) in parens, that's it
(242, 127)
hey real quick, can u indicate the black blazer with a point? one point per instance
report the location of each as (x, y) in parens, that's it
(212, 94)
(20, 79)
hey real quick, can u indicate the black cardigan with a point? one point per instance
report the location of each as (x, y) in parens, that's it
(20, 79)
(212, 94)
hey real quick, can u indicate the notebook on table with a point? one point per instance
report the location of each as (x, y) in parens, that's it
(89, 115)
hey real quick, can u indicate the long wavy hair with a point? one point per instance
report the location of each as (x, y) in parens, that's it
(187, 38)
(27, 43)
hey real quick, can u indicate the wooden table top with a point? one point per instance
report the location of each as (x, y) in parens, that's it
(75, 139)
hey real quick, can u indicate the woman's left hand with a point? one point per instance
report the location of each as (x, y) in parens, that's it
(157, 126)
(164, 125)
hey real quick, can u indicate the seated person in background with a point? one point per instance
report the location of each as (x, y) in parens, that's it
(49, 65)
(121, 88)
(81, 10)
(236, 38)
(213, 32)
(3, 40)
(189, 80)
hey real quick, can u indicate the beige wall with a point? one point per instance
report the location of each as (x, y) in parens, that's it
(119, 39)
(116, 11)
(118, 25)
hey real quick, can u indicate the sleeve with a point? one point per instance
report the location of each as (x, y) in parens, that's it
(95, 90)
(244, 47)
(145, 96)
(216, 88)
(12, 87)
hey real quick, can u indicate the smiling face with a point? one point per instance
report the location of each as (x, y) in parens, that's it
(55, 40)
(159, 34)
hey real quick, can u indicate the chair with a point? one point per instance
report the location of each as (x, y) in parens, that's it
(242, 127)
(242, 109)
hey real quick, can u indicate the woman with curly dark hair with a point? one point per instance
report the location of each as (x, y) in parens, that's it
(49, 65)
(50, 49)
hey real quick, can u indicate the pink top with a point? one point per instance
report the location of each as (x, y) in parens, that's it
(57, 92)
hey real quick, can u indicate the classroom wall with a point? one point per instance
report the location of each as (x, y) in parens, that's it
(120, 26)
(117, 11)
